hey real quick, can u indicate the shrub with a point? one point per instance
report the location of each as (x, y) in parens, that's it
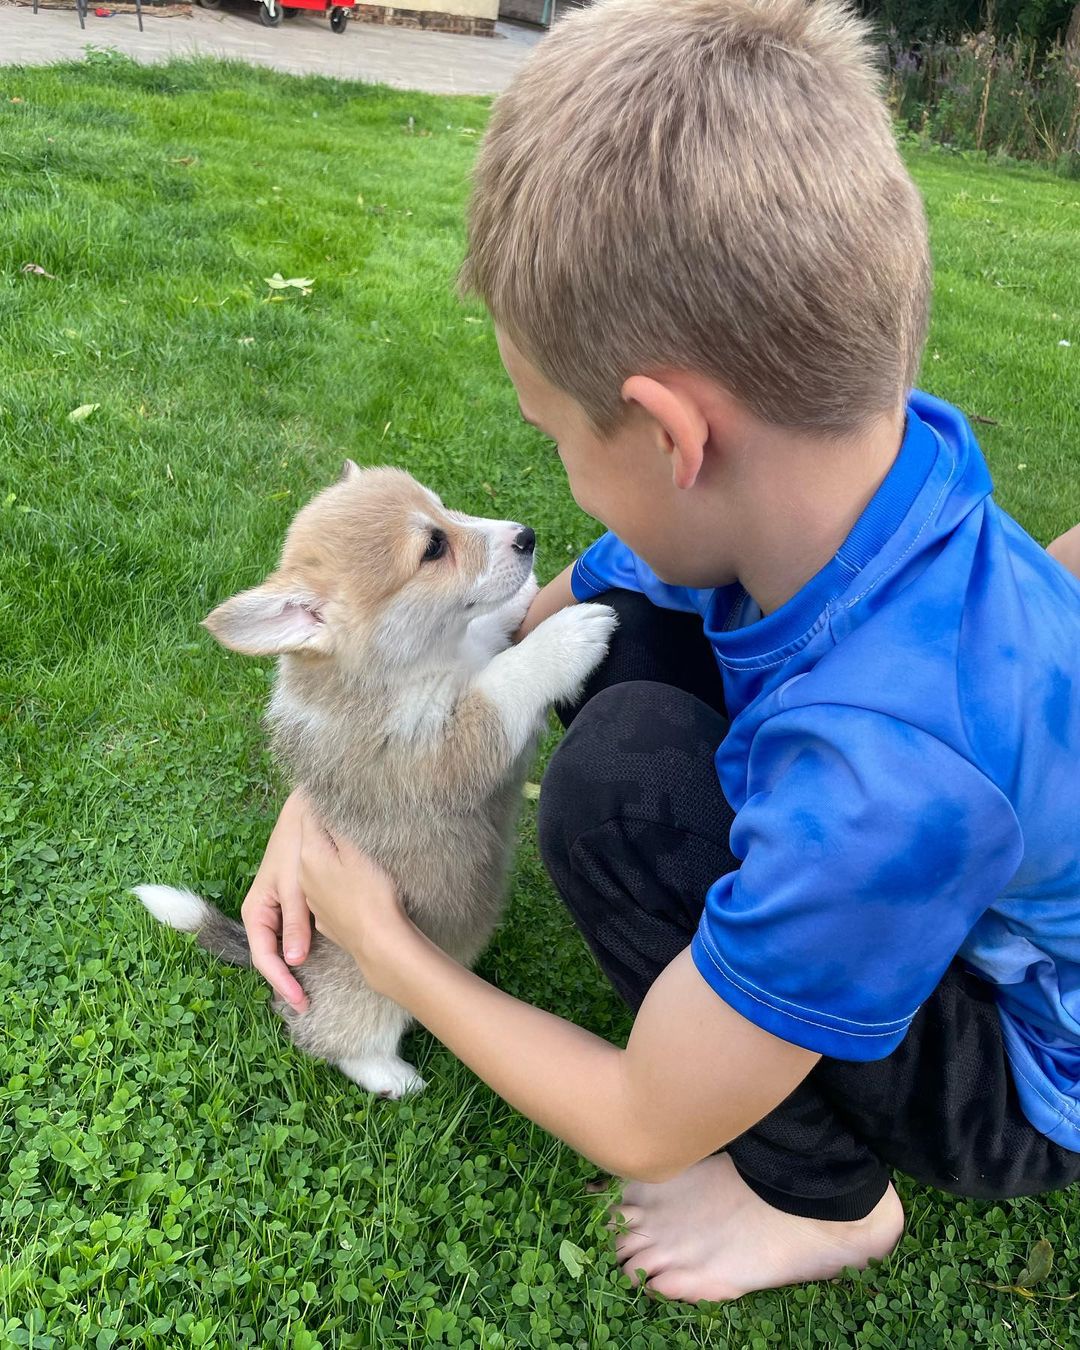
(986, 93)
(1042, 21)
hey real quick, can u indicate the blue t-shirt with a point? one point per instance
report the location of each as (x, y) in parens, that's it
(904, 762)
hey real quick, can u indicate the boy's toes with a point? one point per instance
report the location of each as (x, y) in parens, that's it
(641, 1259)
(636, 1194)
(631, 1248)
(638, 1270)
(679, 1284)
(623, 1218)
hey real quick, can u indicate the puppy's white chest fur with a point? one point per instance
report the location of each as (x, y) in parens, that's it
(424, 704)
(421, 710)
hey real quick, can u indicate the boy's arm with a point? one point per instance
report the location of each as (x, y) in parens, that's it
(694, 1075)
(555, 595)
(868, 857)
(1066, 549)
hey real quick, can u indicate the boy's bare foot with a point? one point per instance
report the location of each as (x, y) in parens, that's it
(706, 1235)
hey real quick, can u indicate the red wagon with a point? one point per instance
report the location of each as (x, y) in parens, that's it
(271, 12)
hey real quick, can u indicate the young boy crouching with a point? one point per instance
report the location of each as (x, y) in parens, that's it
(818, 815)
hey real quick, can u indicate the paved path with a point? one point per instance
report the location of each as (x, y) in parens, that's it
(442, 63)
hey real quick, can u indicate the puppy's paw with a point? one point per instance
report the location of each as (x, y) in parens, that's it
(384, 1075)
(572, 642)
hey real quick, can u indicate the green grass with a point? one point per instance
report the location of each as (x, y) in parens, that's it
(171, 1172)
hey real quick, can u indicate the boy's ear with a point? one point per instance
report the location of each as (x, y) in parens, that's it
(682, 427)
(269, 620)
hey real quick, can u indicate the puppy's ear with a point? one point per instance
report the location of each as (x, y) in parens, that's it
(350, 469)
(268, 620)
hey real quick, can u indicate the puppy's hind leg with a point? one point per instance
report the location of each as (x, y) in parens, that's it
(386, 1075)
(368, 1051)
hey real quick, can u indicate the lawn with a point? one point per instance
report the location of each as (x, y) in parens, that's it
(172, 1173)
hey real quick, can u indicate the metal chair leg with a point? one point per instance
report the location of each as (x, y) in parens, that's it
(138, 11)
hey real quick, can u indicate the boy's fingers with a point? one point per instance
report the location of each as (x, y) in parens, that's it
(295, 927)
(263, 941)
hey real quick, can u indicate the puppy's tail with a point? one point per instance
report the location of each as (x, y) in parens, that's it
(220, 935)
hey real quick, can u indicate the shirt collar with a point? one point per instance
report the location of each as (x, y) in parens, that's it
(787, 628)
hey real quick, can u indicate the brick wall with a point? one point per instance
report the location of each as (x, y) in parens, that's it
(423, 18)
(539, 12)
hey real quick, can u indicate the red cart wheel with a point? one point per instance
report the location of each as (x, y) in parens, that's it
(338, 19)
(270, 13)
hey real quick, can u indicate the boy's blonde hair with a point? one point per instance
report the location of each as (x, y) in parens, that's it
(705, 185)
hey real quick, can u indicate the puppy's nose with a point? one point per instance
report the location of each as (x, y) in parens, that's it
(524, 540)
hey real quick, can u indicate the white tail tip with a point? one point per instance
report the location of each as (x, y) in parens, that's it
(179, 909)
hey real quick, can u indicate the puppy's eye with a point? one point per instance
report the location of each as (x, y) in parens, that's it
(436, 546)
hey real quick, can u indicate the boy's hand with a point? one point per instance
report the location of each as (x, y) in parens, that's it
(354, 902)
(275, 908)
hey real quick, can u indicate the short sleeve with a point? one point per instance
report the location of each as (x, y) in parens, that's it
(610, 565)
(869, 850)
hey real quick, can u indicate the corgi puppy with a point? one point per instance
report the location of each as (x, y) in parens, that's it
(408, 717)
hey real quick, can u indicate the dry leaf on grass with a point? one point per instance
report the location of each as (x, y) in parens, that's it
(279, 283)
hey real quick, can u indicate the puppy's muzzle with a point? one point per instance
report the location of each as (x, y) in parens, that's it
(524, 541)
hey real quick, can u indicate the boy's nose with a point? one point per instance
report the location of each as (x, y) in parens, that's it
(524, 540)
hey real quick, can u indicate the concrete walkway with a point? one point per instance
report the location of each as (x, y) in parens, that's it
(441, 63)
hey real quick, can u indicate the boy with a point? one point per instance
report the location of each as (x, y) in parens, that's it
(818, 814)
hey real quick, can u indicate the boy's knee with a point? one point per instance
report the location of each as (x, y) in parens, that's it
(598, 769)
(578, 789)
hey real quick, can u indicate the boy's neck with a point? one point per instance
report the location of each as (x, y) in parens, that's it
(798, 500)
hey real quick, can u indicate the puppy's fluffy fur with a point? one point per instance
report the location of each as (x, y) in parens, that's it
(408, 717)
